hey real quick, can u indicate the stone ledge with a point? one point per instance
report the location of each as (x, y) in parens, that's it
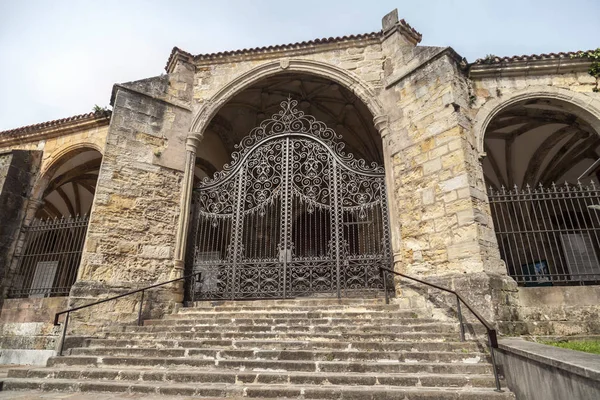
(575, 362)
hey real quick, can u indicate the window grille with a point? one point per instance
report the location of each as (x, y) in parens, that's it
(549, 235)
(49, 259)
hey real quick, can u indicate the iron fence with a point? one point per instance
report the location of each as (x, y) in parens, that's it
(549, 235)
(49, 259)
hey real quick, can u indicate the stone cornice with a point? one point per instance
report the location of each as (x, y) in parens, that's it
(529, 67)
(54, 129)
(117, 87)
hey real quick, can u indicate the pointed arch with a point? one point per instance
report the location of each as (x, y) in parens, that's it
(345, 78)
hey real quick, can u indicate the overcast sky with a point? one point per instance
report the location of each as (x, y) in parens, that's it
(59, 58)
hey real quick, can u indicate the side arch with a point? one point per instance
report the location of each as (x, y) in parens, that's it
(55, 162)
(345, 78)
(581, 105)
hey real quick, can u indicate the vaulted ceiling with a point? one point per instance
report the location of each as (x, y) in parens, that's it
(539, 141)
(72, 185)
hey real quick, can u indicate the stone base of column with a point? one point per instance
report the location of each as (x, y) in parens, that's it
(124, 311)
(493, 296)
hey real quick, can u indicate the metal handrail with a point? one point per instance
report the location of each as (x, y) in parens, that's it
(491, 332)
(194, 277)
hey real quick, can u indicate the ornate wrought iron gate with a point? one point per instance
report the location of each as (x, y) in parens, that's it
(293, 215)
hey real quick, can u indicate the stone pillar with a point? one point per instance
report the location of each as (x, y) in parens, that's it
(382, 125)
(18, 169)
(132, 234)
(444, 218)
(186, 198)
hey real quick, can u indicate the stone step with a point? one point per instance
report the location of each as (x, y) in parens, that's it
(307, 301)
(331, 392)
(412, 336)
(383, 366)
(298, 314)
(305, 355)
(461, 347)
(439, 327)
(291, 321)
(247, 377)
(295, 308)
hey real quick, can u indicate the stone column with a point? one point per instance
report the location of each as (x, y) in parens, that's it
(382, 125)
(186, 197)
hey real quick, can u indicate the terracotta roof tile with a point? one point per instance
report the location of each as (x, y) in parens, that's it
(55, 123)
(267, 49)
(527, 57)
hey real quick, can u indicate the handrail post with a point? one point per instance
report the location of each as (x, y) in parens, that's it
(193, 289)
(494, 367)
(64, 333)
(139, 322)
(385, 288)
(460, 319)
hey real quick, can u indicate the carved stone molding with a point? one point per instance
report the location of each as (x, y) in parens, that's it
(345, 78)
(382, 124)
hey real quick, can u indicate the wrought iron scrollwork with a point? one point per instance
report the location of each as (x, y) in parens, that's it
(292, 215)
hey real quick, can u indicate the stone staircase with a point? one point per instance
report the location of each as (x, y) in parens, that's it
(300, 349)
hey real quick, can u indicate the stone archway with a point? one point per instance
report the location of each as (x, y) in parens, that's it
(582, 105)
(338, 75)
(56, 223)
(211, 107)
(541, 167)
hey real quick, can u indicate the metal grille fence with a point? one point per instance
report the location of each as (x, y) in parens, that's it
(49, 259)
(549, 235)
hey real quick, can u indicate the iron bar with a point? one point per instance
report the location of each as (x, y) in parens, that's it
(491, 332)
(142, 290)
(139, 321)
(494, 365)
(460, 319)
(64, 333)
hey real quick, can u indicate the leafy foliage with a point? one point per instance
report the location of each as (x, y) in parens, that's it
(594, 70)
(98, 109)
(588, 346)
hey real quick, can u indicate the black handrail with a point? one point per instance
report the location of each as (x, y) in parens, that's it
(194, 277)
(491, 332)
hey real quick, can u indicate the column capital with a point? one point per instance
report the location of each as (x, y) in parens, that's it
(193, 140)
(178, 264)
(382, 124)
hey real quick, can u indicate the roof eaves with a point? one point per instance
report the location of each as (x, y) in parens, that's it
(58, 123)
(176, 52)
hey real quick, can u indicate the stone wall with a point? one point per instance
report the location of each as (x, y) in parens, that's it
(446, 229)
(132, 231)
(17, 171)
(535, 371)
(27, 332)
(558, 311)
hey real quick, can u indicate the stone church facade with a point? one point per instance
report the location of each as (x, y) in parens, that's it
(451, 138)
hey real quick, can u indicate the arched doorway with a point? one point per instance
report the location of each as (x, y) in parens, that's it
(542, 169)
(281, 219)
(49, 259)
